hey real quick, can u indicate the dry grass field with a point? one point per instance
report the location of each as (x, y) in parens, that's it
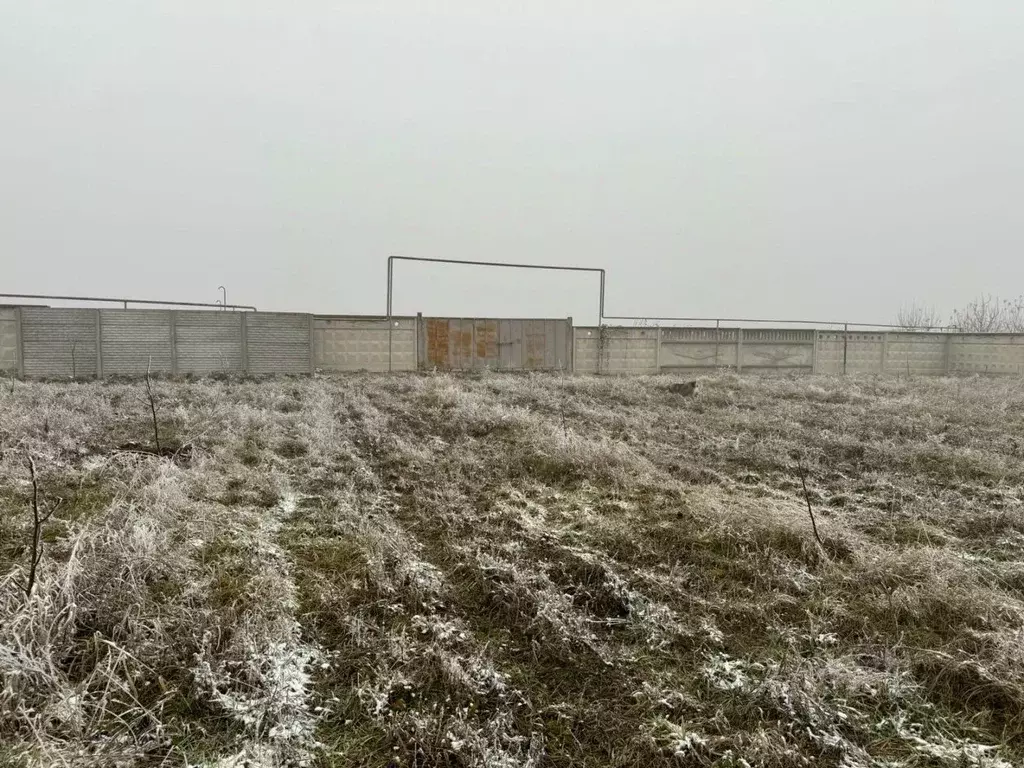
(513, 570)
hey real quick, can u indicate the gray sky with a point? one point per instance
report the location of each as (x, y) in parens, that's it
(787, 159)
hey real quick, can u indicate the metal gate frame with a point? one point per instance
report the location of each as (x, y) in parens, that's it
(550, 267)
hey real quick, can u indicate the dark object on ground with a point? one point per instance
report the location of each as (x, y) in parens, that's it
(685, 389)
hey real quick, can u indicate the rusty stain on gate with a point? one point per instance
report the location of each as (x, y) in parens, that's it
(535, 343)
(465, 344)
(487, 340)
(465, 348)
(437, 343)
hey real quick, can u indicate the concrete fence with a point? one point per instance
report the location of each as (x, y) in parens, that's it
(689, 351)
(85, 343)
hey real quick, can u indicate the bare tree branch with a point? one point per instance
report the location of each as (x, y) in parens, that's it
(38, 520)
(807, 498)
(983, 315)
(916, 316)
(152, 406)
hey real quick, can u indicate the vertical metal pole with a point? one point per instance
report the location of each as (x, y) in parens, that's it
(814, 351)
(846, 334)
(949, 353)
(600, 309)
(657, 350)
(391, 263)
(739, 350)
(885, 351)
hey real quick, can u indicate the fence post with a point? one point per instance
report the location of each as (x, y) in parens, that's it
(846, 338)
(421, 344)
(814, 351)
(657, 349)
(172, 324)
(312, 346)
(718, 340)
(245, 341)
(19, 341)
(99, 345)
(885, 351)
(948, 353)
(739, 350)
(572, 347)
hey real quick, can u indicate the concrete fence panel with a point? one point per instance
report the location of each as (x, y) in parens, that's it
(351, 343)
(586, 349)
(278, 342)
(853, 352)
(693, 350)
(60, 342)
(1001, 353)
(9, 339)
(133, 339)
(617, 350)
(768, 350)
(209, 342)
(916, 354)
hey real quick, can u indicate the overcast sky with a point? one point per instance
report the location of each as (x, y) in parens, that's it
(810, 159)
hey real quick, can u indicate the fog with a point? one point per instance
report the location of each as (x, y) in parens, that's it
(786, 160)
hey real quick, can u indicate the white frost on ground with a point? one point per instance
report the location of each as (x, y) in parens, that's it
(266, 684)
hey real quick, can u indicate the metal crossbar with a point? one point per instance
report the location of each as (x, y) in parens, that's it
(126, 302)
(719, 320)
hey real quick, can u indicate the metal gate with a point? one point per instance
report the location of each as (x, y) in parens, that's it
(449, 343)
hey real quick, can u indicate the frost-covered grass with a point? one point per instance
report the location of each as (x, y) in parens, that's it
(512, 570)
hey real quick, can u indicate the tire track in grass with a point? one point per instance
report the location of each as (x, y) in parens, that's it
(553, 648)
(407, 681)
(255, 669)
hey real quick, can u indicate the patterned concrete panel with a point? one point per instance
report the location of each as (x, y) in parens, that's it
(863, 352)
(769, 350)
(617, 350)
(361, 343)
(208, 342)
(59, 342)
(916, 354)
(277, 342)
(697, 349)
(987, 354)
(136, 340)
